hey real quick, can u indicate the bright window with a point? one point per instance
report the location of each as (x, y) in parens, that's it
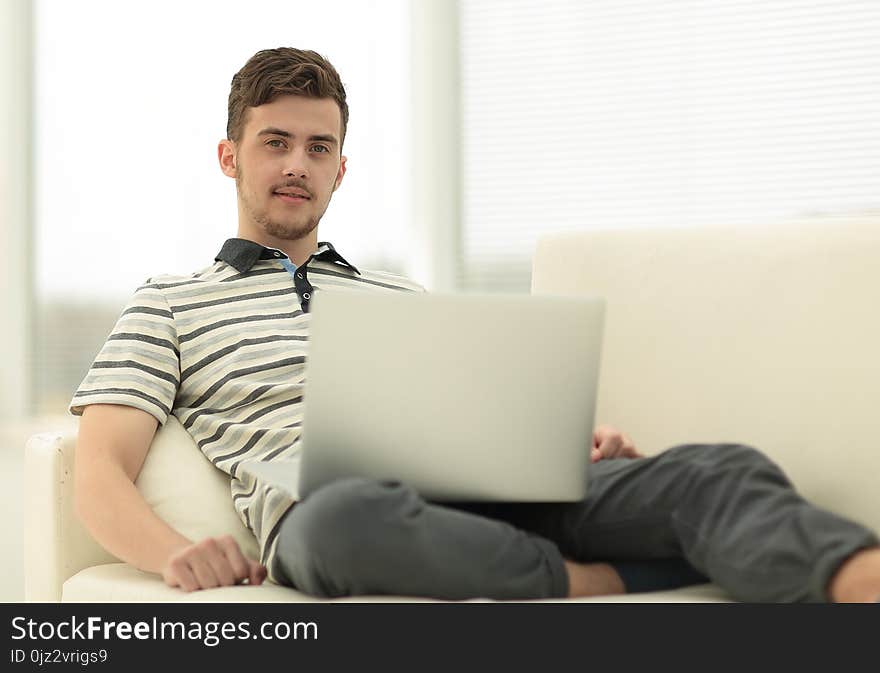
(615, 113)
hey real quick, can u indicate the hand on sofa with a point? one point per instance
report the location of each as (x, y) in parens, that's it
(210, 563)
(608, 442)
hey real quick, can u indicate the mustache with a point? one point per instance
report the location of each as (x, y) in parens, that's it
(298, 184)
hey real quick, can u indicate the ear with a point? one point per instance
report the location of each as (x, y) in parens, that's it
(226, 156)
(341, 173)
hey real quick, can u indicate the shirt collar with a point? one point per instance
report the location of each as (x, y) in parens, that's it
(243, 254)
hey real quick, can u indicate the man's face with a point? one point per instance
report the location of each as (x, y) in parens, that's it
(286, 165)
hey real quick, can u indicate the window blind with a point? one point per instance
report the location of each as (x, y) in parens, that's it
(616, 114)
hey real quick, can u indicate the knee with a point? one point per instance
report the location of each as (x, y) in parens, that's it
(739, 458)
(350, 509)
(729, 462)
(328, 534)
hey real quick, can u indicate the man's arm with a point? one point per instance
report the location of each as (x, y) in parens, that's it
(112, 444)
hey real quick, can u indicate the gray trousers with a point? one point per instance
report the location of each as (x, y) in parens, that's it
(725, 509)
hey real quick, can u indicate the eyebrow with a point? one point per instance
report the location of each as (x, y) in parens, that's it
(271, 131)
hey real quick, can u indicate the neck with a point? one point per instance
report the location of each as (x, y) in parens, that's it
(298, 250)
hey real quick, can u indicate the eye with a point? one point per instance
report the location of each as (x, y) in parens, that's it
(324, 148)
(275, 140)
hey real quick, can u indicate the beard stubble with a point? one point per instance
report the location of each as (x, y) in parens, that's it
(286, 231)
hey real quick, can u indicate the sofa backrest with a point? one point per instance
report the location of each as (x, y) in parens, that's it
(766, 336)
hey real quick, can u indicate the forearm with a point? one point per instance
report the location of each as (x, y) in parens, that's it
(118, 517)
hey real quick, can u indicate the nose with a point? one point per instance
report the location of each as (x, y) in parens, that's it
(301, 173)
(296, 166)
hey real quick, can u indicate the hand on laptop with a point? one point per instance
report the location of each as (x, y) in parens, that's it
(609, 442)
(212, 562)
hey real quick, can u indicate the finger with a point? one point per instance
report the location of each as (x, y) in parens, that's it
(188, 579)
(600, 433)
(182, 575)
(237, 562)
(222, 569)
(257, 574)
(202, 569)
(628, 449)
(214, 556)
(595, 455)
(610, 446)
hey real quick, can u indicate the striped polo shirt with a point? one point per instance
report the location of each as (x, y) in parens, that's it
(224, 350)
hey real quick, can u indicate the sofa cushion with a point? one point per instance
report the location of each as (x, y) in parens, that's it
(119, 582)
(186, 491)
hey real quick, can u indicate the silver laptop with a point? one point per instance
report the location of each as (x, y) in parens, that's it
(464, 397)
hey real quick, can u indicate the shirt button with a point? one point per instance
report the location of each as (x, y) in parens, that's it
(299, 275)
(278, 254)
(306, 295)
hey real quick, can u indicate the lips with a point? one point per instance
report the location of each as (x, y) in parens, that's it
(293, 193)
(291, 198)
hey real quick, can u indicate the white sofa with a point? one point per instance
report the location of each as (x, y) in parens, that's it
(763, 335)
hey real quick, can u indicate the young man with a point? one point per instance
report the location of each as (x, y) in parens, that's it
(225, 350)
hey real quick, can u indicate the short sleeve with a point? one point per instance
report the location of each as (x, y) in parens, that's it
(139, 364)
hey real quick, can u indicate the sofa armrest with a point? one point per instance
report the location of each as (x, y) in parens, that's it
(56, 546)
(176, 480)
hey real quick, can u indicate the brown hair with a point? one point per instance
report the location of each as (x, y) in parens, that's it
(271, 73)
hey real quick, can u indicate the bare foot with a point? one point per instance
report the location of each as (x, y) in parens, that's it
(858, 578)
(593, 579)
